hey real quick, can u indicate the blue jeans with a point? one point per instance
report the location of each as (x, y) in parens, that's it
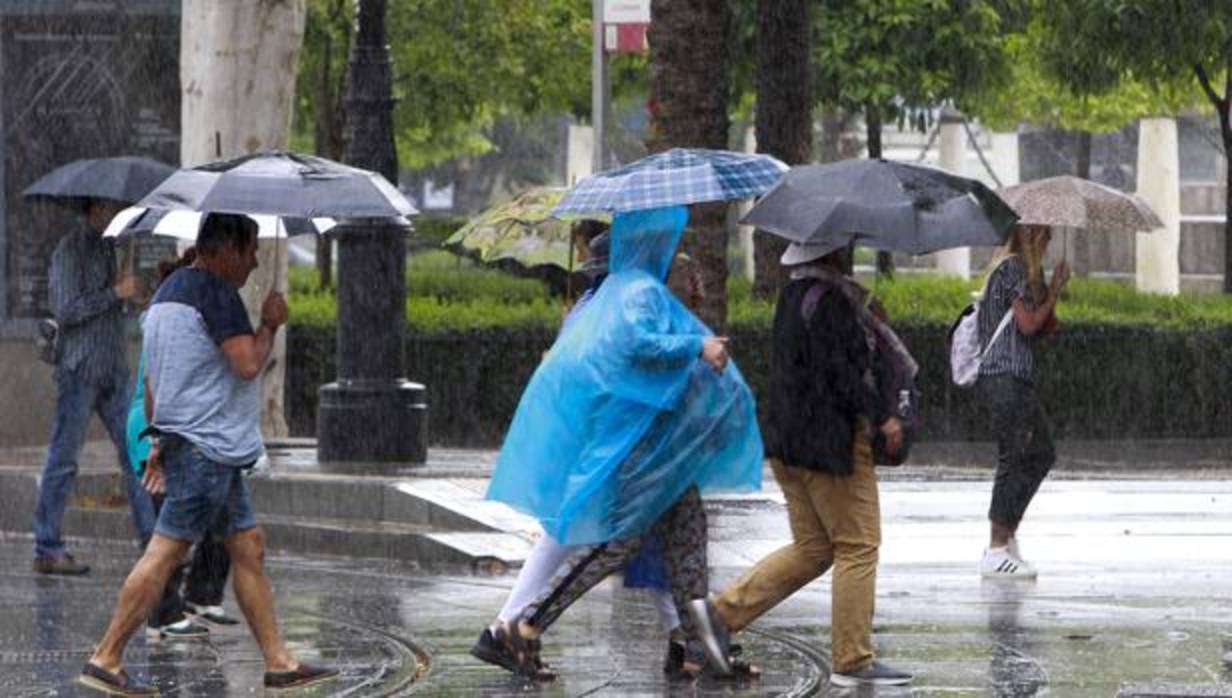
(203, 497)
(76, 400)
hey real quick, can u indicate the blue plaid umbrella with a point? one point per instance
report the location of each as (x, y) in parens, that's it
(674, 177)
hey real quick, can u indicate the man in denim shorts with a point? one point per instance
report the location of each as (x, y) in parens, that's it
(202, 361)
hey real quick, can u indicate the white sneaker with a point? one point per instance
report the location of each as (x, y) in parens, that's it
(1001, 563)
(1014, 549)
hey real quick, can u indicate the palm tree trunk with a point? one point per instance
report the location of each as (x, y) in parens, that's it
(690, 81)
(784, 119)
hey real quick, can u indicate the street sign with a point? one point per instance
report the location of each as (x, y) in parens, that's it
(624, 25)
(626, 11)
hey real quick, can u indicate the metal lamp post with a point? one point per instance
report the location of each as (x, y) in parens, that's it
(371, 418)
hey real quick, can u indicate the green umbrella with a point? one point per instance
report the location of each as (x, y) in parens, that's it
(520, 233)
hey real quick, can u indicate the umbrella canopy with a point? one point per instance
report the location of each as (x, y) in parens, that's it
(521, 231)
(1072, 204)
(888, 205)
(280, 184)
(678, 176)
(184, 225)
(124, 179)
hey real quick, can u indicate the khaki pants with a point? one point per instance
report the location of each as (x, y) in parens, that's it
(834, 520)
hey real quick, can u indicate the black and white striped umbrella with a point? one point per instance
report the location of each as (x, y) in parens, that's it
(184, 225)
(284, 184)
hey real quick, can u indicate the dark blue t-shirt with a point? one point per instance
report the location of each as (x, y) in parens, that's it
(196, 392)
(212, 296)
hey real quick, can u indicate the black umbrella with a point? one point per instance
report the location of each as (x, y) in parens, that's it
(888, 205)
(283, 184)
(125, 179)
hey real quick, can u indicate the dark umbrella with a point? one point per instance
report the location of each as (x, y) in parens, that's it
(283, 184)
(125, 179)
(882, 204)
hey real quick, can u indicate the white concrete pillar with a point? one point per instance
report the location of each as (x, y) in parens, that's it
(1158, 268)
(953, 149)
(579, 159)
(1004, 157)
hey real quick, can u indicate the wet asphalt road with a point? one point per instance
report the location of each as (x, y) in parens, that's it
(1133, 593)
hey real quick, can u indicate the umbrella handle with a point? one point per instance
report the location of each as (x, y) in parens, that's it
(569, 272)
(277, 260)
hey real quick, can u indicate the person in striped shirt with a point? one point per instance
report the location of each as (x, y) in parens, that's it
(86, 297)
(1006, 385)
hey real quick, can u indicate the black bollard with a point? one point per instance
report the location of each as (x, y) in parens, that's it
(371, 418)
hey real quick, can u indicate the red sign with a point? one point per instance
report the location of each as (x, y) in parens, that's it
(625, 38)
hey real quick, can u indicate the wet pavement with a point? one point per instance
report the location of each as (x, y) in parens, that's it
(1133, 599)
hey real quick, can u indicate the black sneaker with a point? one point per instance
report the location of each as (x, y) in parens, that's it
(875, 674)
(713, 633)
(673, 663)
(210, 614)
(59, 564)
(181, 630)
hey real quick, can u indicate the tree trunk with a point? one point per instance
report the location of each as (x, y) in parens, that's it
(690, 80)
(237, 71)
(784, 116)
(872, 121)
(1227, 220)
(1223, 109)
(833, 147)
(330, 117)
(1084, 155)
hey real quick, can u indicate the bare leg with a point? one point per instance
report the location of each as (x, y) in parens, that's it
(999, 535)
(142, 589)
(256, 598)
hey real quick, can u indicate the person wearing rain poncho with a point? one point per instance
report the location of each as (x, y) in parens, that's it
(633, 412)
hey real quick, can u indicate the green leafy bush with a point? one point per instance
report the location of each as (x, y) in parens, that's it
(451, 294)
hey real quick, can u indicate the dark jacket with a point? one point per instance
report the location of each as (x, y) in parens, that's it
(817, 387)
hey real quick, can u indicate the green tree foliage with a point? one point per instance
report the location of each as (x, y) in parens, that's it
(1034, 94)
(459, 66)
(894, 59)
(897, 55)
(1096, 46)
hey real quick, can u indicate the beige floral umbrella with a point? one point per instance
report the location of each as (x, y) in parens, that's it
(1073, 205)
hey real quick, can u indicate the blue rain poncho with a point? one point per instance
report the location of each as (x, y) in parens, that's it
(622, 416)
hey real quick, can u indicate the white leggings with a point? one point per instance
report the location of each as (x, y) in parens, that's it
(535, 578)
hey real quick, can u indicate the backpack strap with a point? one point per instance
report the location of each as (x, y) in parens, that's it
(1005, 321)
(812, 297)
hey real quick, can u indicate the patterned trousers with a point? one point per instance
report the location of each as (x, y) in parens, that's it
(682, 530)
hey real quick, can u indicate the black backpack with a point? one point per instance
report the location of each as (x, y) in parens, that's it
(893, 375)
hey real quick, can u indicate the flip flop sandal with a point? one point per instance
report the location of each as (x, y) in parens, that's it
(507, 649)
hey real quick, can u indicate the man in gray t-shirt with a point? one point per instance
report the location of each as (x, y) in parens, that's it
(202, 361)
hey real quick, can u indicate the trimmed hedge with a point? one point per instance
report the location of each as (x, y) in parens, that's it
(1097, 381)
(449, 294)
(1126, 363)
